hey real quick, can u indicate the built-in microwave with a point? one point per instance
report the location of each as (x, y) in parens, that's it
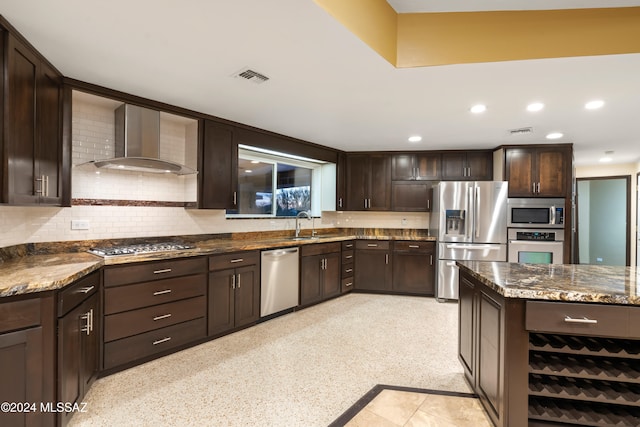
(534, 212)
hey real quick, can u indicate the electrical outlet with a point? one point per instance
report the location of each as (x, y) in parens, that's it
(79, 224)
(404, 221)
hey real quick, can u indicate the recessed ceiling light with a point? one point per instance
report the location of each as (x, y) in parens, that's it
(554, 135)
(478, 108)
(594, 105)
(607, 157)
(415, 138)
(535, 106)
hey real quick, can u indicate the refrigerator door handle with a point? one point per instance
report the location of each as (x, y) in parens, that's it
(468, 232)
(476, 211)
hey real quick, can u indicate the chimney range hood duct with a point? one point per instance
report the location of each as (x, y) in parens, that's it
(137, 143)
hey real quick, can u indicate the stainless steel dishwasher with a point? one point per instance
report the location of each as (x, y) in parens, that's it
(279, 280)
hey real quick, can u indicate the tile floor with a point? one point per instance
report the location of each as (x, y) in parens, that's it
(302, 369)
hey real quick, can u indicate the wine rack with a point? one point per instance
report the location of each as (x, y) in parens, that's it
(581, 380)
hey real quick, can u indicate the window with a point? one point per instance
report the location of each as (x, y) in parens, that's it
(277, 185)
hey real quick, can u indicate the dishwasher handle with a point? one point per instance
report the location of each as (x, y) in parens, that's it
(278, 253)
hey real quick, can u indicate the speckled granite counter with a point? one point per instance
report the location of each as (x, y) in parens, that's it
(50, 266)
(565, 282)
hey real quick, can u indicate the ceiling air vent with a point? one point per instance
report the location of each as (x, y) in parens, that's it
(250, 75)
(520, 131)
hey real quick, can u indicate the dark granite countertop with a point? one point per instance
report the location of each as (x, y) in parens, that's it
(559, 282)
(44, 269)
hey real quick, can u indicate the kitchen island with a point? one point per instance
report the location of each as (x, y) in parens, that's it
(550, 345)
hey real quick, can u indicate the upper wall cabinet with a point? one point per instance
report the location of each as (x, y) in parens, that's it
(539, 171)
(467, 165)
(219, 168)
(416, 166)
(32, 143)
(368, 182)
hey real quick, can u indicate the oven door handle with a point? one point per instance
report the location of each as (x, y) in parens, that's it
(553, 215)
(474, 247)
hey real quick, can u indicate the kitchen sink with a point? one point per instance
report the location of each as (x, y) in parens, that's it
(305, 238)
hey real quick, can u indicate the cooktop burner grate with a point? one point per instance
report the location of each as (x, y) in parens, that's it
(140, 249)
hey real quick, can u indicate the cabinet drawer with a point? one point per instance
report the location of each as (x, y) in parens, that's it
(372, 244)
(236, 259)
(143, 345)
(19, 314)
(122, 275)
(347, 284)
(123, 298)
(411, 246)
(347, 256)
(134, 322)
(578, 319)
(77, 292)
(347, 270)
(320, 248)
(349, 244)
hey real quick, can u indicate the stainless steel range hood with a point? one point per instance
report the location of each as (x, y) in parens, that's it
(137, 143)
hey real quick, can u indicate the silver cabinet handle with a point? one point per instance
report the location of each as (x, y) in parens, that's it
(348, 256)
(570, 319)
(414, 246)
(349, 245)
(88, 327)
(386, 258)
(164, 316)
(348, 270)
(538, 188)
(233, 261)
(235, 198)
(340, 202)
(166, 291)
(86, 289)
(165, 270)
(233, 281)
(372, 245)
(346, 285)
(430, 259)
(162, 340)
(533, 188)
(238, 282)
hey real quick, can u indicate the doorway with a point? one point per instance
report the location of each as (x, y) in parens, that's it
(604, 220)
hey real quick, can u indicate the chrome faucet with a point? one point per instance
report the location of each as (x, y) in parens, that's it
(303, 214)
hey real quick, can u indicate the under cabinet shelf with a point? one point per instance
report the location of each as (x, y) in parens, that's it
(582, 413)
(587, 367)
(584, 390)
(609, 347)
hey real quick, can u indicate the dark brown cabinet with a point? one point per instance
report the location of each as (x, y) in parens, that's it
(416, 166)
(234, 291)
(219, 167)
(151, 308)
(27, 360)
(78, 340)
(33, 146)
(413, 267)
(467, 165)
(411, 196)
(319, 272)
(341, 182)
(347, 266)
(368, 182)
(538, 171)
(373, 266)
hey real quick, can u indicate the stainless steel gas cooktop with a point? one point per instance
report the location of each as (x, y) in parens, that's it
(140, 249)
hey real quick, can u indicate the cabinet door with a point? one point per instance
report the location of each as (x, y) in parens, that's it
(247, 296)
(310, 279)
(410, 196)
(21, 382)
(331, 284)
(91, 344)
(380, 178)
(341, 182)
(70, 357)
(466, 323)
(221, 303)
(357, 181)
(21, 138)
(490, 367)
(403, 167)
(373, 270)
(49, 137)
(552, 172)
(453, 166)
(519, 166)
(479, 166)
(219, 168)
(413, 273)
(428, 166)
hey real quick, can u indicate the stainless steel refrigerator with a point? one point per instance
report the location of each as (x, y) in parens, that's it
(470, 221)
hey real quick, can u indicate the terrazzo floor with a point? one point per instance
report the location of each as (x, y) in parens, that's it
(301, 369)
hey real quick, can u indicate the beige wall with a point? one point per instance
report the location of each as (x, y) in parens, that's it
(630, 169)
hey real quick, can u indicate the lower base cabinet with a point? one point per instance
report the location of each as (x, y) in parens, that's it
(373, 266)
(319, 272)
(234, 291)
(413, 267)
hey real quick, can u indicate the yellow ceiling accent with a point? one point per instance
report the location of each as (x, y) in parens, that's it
(428, 39)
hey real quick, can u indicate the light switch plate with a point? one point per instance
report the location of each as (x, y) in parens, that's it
(79, 224)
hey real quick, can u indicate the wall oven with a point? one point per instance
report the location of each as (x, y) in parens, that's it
(534, 212)
(535, 246)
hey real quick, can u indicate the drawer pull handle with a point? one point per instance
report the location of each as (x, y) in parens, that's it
(349, 256)
(569, 319)
(372, 245)
(166, 270)
(166, 291)
(346, 285)
(350, 245)
(162, 340)
(348, 270)
(414, 246)
(164, 316)
(237, 260)
(86, 289)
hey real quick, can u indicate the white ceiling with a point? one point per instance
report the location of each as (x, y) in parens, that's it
(326, 86)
